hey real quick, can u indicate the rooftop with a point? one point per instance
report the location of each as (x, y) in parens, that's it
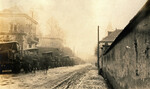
(14, 12)
(112, 36)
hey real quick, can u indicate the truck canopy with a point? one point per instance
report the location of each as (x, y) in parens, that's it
(8, 45)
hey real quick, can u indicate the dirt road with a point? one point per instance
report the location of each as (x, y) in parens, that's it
(75, 77)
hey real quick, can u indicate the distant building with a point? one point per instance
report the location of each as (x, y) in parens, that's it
(51, 42)
(107, 41)
(18, 26)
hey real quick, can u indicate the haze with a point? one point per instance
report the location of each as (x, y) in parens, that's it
(79, 18)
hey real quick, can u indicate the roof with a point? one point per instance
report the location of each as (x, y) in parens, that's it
(47, 52)
(112, 36)
(8, 42)
(12, 33)
(52, 38)
(142, 14)
(14, 12)
(65, 56)
(15, 9)
(29, 49)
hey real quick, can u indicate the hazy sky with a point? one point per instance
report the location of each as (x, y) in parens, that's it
(79, 18)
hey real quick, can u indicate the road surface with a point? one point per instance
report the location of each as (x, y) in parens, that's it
(76, 77)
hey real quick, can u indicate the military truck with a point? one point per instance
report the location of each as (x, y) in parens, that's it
(10, 57)
(30, 60)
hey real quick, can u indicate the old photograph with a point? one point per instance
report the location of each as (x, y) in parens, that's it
(74, 44)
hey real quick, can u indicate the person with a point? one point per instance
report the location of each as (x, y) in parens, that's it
(46, 63)
(35, 62)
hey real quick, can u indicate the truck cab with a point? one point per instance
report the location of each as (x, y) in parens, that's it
(10, 57)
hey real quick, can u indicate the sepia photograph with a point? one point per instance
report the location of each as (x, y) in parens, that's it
(74, 44)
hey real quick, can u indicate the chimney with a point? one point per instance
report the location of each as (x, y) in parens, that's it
(109, 32)
(109, 29)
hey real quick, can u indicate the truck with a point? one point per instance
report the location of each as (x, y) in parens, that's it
(10, 57)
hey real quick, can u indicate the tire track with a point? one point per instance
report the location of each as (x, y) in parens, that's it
(72, 80)
(65, 81)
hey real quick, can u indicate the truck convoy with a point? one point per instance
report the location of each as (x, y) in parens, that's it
(14, 59)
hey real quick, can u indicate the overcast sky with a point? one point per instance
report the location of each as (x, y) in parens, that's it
(79, 18)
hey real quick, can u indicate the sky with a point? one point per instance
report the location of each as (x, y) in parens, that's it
(79, 18)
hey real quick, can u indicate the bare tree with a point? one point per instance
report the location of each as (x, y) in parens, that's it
(55, 30)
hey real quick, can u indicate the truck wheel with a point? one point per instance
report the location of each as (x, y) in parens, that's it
(0, 71)
(16, 70)
(16, 67)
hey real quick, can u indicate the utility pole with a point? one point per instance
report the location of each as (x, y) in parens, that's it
(98, 48)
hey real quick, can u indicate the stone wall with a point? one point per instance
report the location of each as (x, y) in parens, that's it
(127, 64)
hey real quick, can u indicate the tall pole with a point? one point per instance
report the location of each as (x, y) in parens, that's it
(98, 48)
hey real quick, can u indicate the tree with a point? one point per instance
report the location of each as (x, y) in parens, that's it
(55, 30)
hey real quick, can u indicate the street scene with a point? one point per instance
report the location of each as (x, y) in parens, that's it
(74, 44)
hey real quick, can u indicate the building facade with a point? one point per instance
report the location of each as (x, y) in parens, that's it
(18, 26)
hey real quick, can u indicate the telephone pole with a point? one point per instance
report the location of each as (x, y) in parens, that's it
(98, 48)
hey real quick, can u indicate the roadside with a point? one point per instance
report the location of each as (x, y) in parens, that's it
(92, 80)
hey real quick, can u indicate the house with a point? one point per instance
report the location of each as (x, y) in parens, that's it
(107, 41)
(18, 26)
(126, 63)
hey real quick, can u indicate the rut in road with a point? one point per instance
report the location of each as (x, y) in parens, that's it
(72, 80)
(64, 81)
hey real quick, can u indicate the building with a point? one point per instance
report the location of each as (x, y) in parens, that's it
(18, 26)
(51, 42)
(126, 63)
(106, 42)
